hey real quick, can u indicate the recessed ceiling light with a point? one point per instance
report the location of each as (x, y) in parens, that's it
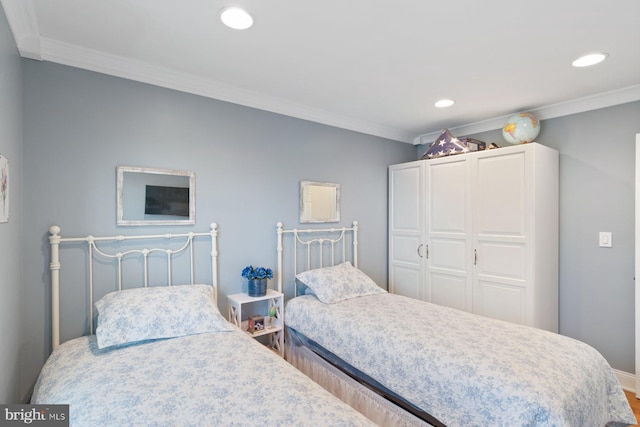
(443, 103)
(236, 18)
(591, 59)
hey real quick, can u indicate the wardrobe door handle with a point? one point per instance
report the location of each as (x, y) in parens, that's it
(475, 257)
(419, 254)
(427, 251)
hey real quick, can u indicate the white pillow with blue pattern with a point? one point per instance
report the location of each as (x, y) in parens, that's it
(143, 314)
(339, 283)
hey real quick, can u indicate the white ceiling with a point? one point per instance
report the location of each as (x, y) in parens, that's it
(372, 66)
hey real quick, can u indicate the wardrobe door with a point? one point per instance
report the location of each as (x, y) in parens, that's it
(448, 202)
(406, 229)
(502, 212)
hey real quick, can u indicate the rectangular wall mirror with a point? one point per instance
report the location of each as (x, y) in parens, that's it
(148, 196)
(319, 202)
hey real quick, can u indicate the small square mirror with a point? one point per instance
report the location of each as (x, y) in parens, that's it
(319, 202)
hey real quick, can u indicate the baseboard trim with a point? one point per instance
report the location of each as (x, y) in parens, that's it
(627, 380)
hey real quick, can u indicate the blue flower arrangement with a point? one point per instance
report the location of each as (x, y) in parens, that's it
(250, 273)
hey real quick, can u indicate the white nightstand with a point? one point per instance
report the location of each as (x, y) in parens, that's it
(273, 326)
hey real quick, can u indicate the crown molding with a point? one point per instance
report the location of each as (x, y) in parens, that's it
(24, 26)
(579, 105)
(21, 16)
(80, 57)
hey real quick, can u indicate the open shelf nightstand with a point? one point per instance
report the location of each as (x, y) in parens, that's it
(271, 326)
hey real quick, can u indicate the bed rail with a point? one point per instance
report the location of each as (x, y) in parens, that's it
(316, 238)
(55, 240)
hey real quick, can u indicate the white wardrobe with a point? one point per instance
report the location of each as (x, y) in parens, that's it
(479, 232)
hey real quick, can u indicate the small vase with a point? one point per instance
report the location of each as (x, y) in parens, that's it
(257, 287)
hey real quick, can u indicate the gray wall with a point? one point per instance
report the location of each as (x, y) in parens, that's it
(597, 182)
(80, 125)
(10, 238)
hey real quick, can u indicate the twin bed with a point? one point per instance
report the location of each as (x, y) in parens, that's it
(444, 366)
(164, 355)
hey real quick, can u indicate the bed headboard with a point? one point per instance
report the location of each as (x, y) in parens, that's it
(140, 247)
(322, 247)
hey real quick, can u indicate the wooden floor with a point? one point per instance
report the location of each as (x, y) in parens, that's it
(635, 404)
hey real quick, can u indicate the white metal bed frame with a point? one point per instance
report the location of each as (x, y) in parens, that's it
(363, 398)
(329, 238)
(55, 240)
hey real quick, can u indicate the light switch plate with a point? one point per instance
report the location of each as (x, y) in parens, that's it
(605, 239)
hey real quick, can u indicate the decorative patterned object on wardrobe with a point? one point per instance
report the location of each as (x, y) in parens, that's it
(473, 144)
(521, 128)
(445, 145)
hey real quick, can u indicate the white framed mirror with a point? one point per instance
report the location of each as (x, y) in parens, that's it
(149, 196)
(319, 202)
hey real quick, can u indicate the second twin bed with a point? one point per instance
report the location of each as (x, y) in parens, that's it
(445, 366)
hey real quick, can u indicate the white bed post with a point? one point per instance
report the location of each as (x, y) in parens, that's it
(214, 257)
(54, 266)
(279, 272)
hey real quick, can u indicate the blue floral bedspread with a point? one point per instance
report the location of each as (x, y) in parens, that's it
(464, 369)
(210, 379)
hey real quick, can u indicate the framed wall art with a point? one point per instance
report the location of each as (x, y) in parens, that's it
(149, 196)
(4, 189)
